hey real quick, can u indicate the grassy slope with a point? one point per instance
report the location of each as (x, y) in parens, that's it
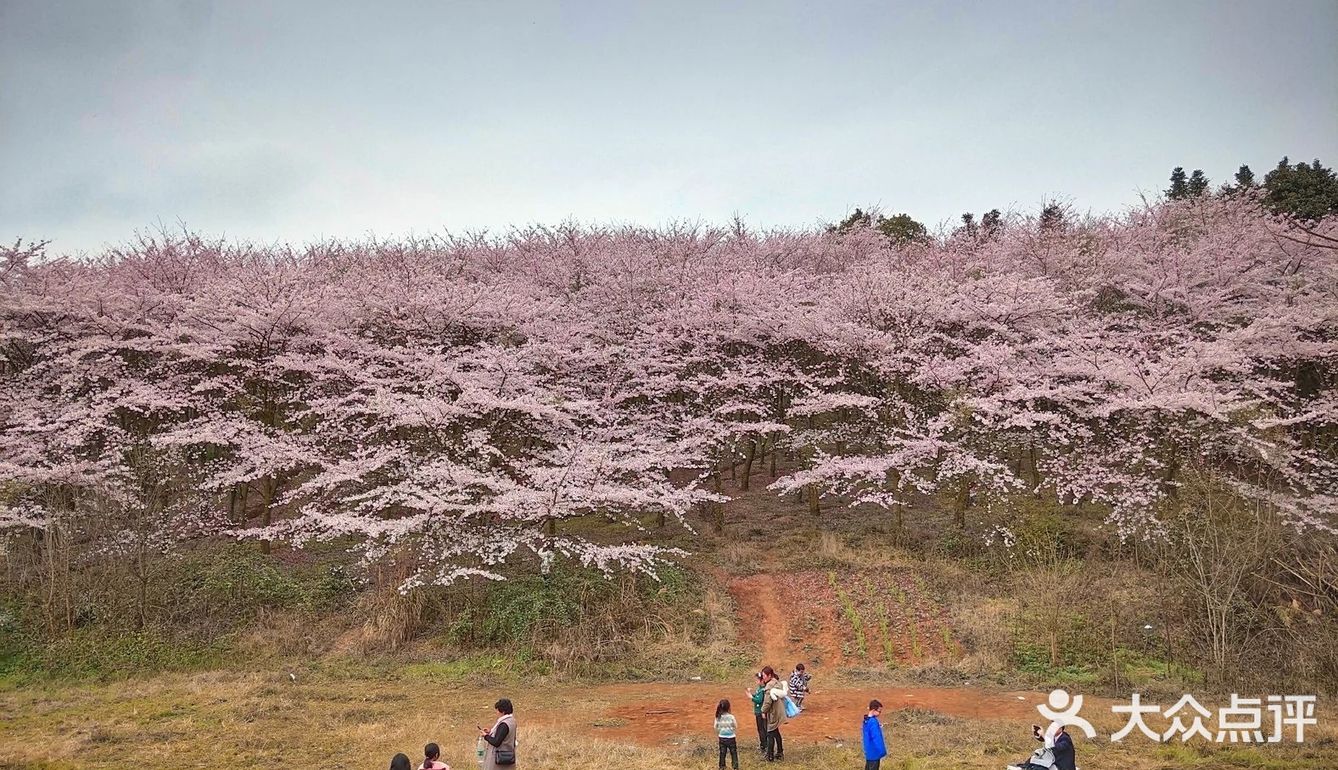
(873, 617)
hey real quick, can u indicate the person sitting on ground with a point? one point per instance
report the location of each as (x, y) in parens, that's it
(431, 755)
(1065, 759)
(799, 684)
(400, 762)
(874, 747)
(1044, 757)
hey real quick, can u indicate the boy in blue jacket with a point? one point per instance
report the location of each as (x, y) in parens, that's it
(874, 748)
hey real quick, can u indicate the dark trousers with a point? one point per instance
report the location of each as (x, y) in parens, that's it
(761, 732)
(872, 764)
(775, 746)
(729, 746)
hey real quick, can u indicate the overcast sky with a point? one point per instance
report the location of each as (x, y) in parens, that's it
(303, 120)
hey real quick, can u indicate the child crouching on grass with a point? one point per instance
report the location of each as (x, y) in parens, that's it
(726, 729)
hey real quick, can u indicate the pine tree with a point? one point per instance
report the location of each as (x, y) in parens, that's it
(858, 218)
(1179, 187)
(1245, 178)
(901, 228)
(1052, 217)
(1198, 183)
(969, 224)
(992, 222)
(1306, 191)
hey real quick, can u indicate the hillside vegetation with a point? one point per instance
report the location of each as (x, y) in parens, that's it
(1055, 450)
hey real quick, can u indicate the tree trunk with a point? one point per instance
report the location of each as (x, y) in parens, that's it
(748, 464)
(268, 487)
(1114, 651)
(717, 509)
(894, 476)
(772, 469)
(1172, 472)
(813, 506)
(1035, 471)
(142, 599)
(241, 492)
(963, 501)
(58, 605)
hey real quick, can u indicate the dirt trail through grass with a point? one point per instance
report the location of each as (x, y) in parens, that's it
(762, 620)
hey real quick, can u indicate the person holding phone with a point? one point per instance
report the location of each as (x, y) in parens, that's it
(501, 739)
(756, 694)
(1045, 757)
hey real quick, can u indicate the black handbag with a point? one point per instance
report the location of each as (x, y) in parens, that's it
(504, 757)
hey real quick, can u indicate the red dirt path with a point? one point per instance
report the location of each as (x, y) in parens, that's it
(790, 617)
(650, 714)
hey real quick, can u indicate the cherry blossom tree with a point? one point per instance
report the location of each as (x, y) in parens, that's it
(452, 401)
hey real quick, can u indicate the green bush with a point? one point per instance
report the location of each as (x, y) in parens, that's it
(527, 611)
(241, 578)
(88, 653)
(1033, 659)
(237, 580)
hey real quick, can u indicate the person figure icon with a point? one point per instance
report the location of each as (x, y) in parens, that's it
(1063, 710)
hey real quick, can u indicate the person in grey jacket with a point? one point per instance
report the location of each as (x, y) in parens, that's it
(773, 708)
(501, 739)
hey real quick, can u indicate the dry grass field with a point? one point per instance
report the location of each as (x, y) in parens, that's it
(344, 717)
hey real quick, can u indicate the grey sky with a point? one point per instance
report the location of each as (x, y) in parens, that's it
(301, 120)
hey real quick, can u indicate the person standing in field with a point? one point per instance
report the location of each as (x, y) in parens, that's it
(501, 739)
(799, 684)
(756, 695)
(874, 747)
(773, 708)
(726, 729)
